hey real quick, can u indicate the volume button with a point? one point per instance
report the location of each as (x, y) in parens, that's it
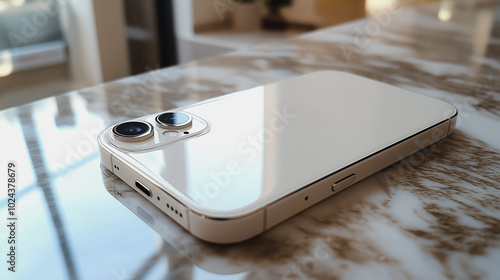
(343, 183)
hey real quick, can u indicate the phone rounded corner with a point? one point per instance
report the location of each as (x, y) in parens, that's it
(101, 141)
(226, 230)
(453, 111)
(105, 153)
(453, 120)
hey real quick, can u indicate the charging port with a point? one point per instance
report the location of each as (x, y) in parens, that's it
(143, 188)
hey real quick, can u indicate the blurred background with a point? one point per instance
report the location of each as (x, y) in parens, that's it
(48, 47)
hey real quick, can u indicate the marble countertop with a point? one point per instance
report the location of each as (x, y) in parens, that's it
(434, 215)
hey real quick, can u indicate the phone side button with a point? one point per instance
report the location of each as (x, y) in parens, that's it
(339, 185)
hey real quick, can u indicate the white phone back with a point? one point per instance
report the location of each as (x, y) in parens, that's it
(263, 145)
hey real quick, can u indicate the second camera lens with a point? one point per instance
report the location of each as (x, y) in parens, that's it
(173, 120)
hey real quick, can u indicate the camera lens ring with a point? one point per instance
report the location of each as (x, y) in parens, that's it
(133, 131)
(170, 120)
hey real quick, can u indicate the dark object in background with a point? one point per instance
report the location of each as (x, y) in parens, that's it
(274, 20)
(150, 33)
(166, 33)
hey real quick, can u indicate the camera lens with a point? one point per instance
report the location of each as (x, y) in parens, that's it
(173, 120)
(133, 131)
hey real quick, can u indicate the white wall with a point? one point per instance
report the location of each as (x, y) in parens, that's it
(111, 39)
(95, 31)
(80, 31)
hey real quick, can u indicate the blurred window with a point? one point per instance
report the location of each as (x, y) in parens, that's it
(30, 35)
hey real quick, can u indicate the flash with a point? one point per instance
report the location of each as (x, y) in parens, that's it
(171, 133)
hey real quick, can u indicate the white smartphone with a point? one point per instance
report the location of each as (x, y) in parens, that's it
(232, 167)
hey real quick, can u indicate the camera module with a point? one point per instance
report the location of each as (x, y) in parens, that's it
(174, 120)
(133, 131)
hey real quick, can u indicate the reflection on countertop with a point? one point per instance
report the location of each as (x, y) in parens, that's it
(434, 215)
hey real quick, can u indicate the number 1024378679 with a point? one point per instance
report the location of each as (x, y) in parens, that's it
(11, 189)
